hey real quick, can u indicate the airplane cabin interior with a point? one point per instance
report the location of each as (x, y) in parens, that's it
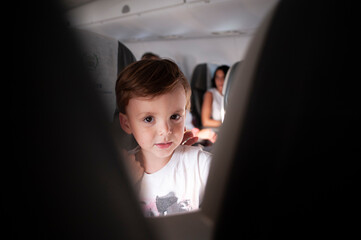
(286, 161)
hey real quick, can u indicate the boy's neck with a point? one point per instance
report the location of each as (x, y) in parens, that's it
(152, 163)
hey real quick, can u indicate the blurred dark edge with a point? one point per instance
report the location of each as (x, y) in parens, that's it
(63, 179)
(296, 169)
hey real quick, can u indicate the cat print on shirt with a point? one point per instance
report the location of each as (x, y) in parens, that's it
(165, 205)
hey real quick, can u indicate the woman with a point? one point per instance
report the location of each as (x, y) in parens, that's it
(212, 102)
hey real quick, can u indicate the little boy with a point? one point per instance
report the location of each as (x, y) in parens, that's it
(153, 96)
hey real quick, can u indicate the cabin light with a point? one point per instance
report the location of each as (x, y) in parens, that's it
(228, 33)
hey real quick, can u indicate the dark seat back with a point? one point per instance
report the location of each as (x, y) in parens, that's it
(125, 57)
(199, 87)
(200, 83)
(230, 78)
(67, 180)
(294, 140)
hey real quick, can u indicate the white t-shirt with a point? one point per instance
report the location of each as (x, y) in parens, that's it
(177, 187)
(216, 104)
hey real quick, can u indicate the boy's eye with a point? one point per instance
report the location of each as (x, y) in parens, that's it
(175, 117)
(148, 119)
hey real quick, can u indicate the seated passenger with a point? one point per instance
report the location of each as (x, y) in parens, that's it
(150, 55)
(153, 97)
(212, 101)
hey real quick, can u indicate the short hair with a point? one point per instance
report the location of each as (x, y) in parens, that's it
(149, 78)
(150, 55)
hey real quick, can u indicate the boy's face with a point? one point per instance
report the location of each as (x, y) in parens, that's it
(157, 124)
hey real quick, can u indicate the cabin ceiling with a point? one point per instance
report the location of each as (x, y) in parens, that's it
(146, 20)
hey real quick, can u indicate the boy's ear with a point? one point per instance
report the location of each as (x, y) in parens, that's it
(124, 123)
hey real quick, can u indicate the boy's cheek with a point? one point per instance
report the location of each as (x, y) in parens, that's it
(144, 143)
(179, 131)
(142, 137)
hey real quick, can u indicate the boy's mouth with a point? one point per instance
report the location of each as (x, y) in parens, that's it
(164, 145)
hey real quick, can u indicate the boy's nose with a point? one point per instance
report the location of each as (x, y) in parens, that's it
(165, 128)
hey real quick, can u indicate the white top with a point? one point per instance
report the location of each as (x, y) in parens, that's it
(177, 187)
(216, 104)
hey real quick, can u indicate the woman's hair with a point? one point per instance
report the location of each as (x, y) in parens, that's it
(150, 55)
(149, 78)
(224, 68)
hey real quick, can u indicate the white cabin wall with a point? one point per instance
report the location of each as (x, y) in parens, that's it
(187, 53)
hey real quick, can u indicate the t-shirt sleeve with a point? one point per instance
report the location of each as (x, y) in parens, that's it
(204, 159)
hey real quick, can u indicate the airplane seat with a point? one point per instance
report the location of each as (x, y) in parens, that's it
(199, 87)
(290, 140)
(200, 83)
(65, 179)
(125, 57)
(230, 77)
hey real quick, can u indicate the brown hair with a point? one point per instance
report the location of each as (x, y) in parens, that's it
(149, 78)
(150, 55)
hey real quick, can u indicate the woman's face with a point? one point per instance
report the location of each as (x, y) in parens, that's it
(219, 80)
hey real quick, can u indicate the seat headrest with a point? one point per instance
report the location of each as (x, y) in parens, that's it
(292, 139)
(199, 77)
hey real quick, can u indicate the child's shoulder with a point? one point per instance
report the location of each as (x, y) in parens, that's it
(193, 152)
(193, 159)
